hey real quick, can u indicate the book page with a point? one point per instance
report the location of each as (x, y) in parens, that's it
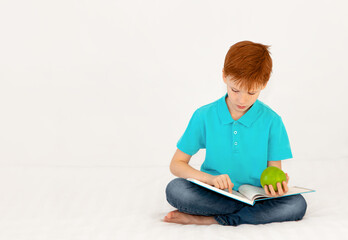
(296, 190)
(252, 192)
(235, 195)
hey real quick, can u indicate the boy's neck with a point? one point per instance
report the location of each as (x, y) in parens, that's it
(235, 116)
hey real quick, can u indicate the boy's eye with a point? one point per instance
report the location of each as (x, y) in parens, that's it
(238, 91)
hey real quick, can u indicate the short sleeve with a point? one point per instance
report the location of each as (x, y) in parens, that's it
(193, 138)
(278, 142)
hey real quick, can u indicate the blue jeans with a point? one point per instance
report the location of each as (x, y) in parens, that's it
(193, 199)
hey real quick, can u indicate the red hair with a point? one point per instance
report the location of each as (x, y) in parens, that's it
(249, 64)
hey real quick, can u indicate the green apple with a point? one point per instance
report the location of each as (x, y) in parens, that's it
(272, 175)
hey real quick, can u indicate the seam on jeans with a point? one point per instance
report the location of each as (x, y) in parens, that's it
(193, 212)
(171, 203)
(183, 209)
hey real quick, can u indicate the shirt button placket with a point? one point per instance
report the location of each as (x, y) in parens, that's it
(235, 136)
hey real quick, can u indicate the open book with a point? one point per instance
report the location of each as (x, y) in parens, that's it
(249, 193)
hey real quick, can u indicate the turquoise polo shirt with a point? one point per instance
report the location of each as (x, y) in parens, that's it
(239, 148)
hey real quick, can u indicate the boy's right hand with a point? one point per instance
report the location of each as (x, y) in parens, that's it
(222, 182)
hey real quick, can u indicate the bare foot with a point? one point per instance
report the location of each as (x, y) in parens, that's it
(184, 218)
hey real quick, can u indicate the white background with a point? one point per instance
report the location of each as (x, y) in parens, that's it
(94, 96)
(101, 83)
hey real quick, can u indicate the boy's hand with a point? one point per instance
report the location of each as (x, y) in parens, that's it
(222, 182)
(281, 190)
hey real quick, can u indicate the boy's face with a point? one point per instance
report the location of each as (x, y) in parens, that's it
(240, 100)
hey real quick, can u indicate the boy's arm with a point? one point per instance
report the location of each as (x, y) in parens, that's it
(179, 167)
(277, 164)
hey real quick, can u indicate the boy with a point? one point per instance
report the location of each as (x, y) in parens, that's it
(242, 136)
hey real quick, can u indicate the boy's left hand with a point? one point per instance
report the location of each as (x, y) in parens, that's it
(269, 190)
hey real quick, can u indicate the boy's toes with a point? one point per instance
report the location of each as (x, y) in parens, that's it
(170, 215)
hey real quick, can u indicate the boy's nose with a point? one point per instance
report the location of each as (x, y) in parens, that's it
(243, 99)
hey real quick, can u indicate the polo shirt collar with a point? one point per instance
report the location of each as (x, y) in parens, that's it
(247, 119)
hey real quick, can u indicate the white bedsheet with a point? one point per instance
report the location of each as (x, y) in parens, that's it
(76, 202)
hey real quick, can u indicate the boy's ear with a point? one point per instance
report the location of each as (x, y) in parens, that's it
(264, 86)
(223, 76)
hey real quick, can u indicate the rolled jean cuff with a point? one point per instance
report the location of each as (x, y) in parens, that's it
(220, 220)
